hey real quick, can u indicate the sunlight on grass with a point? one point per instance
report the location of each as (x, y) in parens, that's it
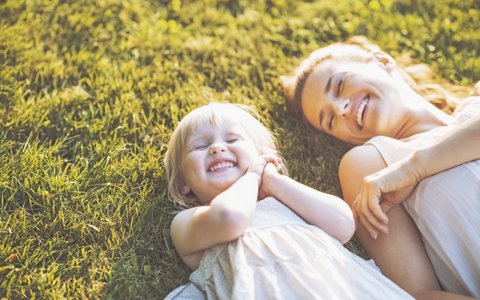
(90, 92)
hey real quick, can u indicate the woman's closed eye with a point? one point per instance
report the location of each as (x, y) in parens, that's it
(340, 85)
(330, 122)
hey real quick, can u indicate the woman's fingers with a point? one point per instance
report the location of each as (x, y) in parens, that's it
(374, 222)
(375, 209)
(371, 194)
(370, 229)
(363, 209)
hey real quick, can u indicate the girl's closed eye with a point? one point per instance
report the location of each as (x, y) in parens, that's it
(200, 147)
(232, 140)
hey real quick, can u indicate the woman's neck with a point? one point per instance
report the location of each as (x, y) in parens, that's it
(422, 117)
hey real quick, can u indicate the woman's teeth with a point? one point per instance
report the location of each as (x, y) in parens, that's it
(360, 110)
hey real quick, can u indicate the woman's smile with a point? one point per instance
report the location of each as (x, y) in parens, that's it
(362, 111)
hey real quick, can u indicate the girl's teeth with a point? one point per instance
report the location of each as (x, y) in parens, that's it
(360, 110)
(221, 165)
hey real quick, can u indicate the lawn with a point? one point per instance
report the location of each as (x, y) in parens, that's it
(90, 92)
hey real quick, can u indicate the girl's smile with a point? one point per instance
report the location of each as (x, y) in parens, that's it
(217, 157)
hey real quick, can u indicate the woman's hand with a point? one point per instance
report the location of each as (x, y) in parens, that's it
(380, 192)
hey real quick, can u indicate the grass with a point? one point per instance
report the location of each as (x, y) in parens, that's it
(90, 92)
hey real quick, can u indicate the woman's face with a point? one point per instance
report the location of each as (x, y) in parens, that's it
(354, 101)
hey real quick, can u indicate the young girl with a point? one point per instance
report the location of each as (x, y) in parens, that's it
(248, 230)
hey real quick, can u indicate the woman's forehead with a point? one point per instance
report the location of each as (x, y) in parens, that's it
(317, 81)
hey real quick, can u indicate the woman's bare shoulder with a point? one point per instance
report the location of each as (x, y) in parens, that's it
(357, 163)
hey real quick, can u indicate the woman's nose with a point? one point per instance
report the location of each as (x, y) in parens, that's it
(216, 149)
(343, 107)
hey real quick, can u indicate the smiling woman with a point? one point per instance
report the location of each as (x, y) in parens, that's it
(355, 92)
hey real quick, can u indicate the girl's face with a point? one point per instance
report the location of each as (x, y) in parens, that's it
(215, 157)
(354, 101)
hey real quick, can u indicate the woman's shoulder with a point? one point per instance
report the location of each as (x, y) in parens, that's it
(467, 108)
(360, 160)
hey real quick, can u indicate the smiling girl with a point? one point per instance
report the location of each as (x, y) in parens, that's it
(251, 232)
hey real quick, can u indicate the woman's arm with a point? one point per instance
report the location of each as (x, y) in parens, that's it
(323, 210)
(461, 144)
(400, 253)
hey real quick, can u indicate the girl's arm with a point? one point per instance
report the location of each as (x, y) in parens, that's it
(459, 145)
(323, 210)
(225, 219)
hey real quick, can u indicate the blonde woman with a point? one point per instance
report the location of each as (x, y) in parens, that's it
(356, 92)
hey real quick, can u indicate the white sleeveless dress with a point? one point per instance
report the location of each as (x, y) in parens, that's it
(446, 209)
(280, 256)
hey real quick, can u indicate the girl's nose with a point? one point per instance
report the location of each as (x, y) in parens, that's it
(216, 149)
(343, 107)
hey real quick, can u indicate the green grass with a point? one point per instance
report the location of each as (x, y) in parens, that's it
(90, 92)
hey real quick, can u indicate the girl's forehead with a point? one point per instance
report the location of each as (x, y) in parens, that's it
(223, 124)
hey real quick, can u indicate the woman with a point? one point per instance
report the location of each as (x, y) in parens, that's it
(356, 93)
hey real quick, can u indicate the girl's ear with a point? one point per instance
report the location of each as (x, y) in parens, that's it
(185, 189)
(385, 61)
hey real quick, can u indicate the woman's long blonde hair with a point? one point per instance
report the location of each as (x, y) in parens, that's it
(419, 76)
(211, 114)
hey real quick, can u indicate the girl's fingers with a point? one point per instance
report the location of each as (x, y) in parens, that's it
(275, 160)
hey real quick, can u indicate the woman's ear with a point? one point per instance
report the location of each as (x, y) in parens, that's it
(385, 60)
(288, 86)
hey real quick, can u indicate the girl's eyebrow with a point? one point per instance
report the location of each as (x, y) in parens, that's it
(194, 138)
(329, 83)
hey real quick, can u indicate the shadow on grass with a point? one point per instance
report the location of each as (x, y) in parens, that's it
(149, 267)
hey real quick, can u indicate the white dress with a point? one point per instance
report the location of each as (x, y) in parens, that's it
(446, 209)
(282, 257)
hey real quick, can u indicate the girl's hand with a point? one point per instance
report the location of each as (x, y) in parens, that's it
(379, 193)
(266, 189)
(265, 167)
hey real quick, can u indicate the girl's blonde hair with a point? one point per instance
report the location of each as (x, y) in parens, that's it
(211, 114)
(360, 49)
